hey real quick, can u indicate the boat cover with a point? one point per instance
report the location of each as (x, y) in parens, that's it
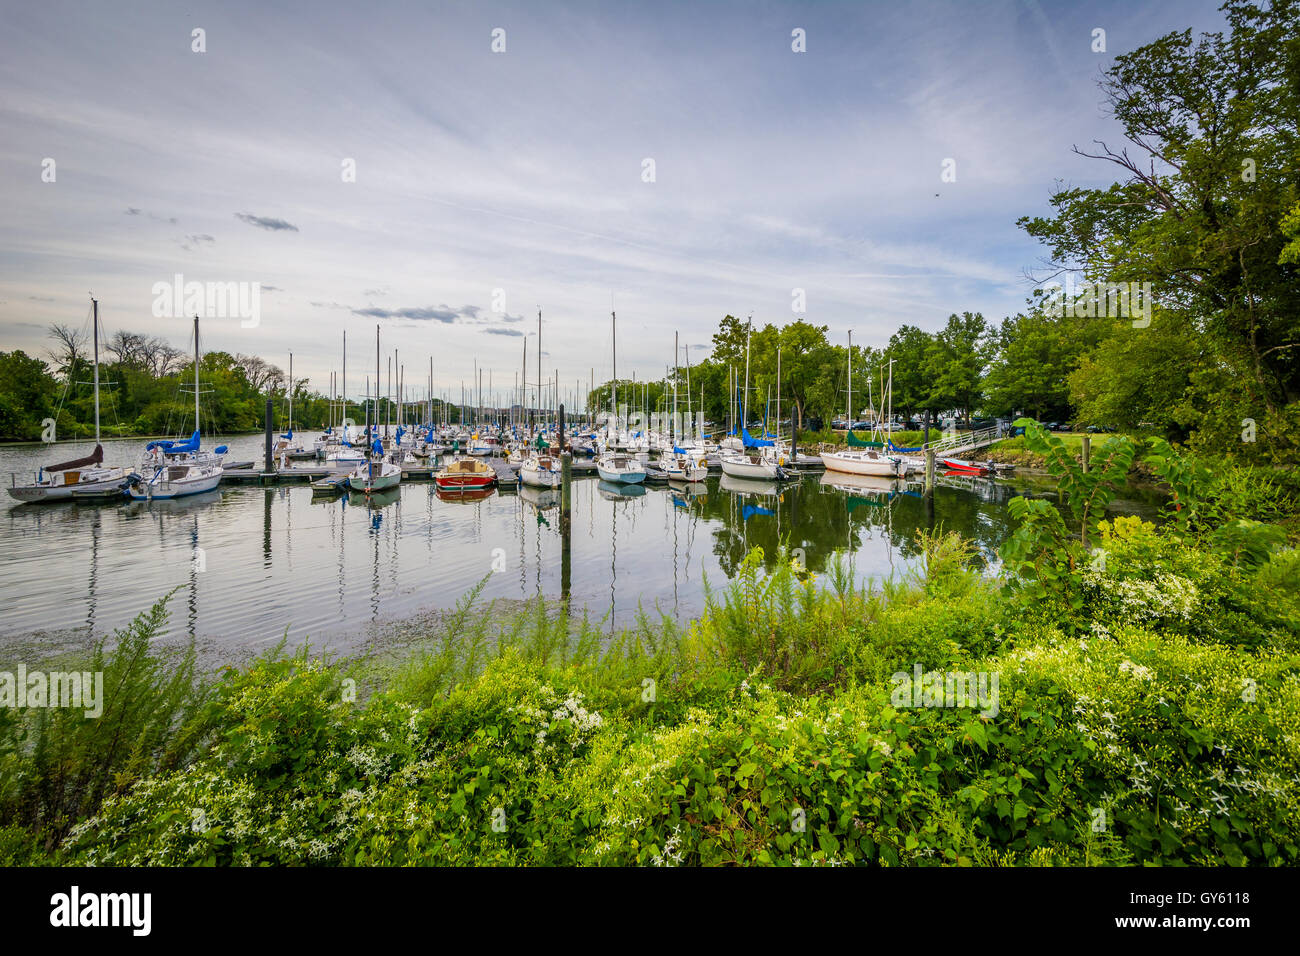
(855, 442)
(176, 448)
(96, 457)
(752, 442)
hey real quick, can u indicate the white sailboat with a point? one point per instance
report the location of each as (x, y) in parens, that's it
(83, 477)
(172, 469)
(618, 467)
(863, 461)
(684, 467)
(540, 471)
(375, 474)
(756, 458)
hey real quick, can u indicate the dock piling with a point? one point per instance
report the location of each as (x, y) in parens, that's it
(270, 463)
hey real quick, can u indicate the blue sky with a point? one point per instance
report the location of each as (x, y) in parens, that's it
(522, 170)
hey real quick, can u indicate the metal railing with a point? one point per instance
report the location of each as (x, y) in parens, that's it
(968, 441)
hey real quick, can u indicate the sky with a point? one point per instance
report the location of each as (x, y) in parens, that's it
(444, 170)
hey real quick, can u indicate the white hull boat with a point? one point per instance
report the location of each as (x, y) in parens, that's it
(864, 463)
(685, 468)
(75, 479)
(620, 469)
(169, 470)
(752, 466)
(540, 471)
(375, 476)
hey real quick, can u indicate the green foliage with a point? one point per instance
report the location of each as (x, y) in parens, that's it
(58, 764)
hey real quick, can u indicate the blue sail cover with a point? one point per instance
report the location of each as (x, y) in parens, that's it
(429, 437)
(176, 448)
(893, 447)
(400, 432)
(288, 436)
(752, 442)
(378, 447)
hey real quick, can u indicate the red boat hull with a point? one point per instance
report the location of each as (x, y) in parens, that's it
(964, 467)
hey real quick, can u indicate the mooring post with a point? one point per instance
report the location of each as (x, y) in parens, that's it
(566, 515)
(270, 463)
(929, 473)
(1086, 452)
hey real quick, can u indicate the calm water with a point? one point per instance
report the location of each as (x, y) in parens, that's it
(252, 563)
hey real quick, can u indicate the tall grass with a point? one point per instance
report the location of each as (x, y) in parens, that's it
(57, 765)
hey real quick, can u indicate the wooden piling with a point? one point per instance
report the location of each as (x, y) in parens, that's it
(1086, 452)
(270, 461)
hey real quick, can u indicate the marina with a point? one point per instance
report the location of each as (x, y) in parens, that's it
(254, 561)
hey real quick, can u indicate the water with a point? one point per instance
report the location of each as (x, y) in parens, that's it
(252, 564)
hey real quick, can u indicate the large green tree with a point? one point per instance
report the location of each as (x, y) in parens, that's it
(1208, 177)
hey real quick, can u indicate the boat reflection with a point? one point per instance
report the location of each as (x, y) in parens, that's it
(612, 491)
(540, 498)
(749, 486)
(188, 504)
(856, 484)
(463, 497)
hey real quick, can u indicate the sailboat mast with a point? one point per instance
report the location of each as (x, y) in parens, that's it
(850, 373)
(95, 323)
(344, 420)
(539, 367)
(613, 388)
(290, 393)
(691, 429)
(676, 352)
(196, 373)
(778, 395)
(376, 379)
(744, 407)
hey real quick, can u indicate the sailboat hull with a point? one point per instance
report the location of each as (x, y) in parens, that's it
(163, 489)
(743, 467)
(862, 463)
(539, 478)
(621, 477)
(113, 487)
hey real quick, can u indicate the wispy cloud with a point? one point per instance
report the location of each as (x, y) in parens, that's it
(266, 222)
(443, 313)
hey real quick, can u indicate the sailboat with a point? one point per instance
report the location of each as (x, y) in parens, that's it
(540, 471)
(869, 460)
(375, 474)
(757, 456)
(618, 467)
(82, 477)
(683, 463)
(176, 469)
